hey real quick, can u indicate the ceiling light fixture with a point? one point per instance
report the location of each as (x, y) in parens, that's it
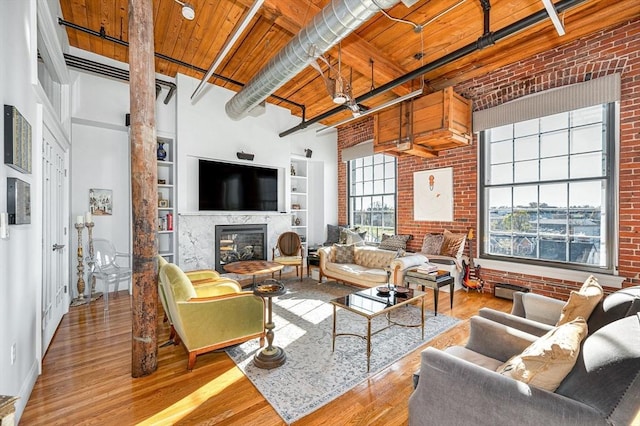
(187, 10)
(553, 14)
(370, 111)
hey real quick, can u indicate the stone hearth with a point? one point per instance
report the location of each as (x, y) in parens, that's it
(197, 232)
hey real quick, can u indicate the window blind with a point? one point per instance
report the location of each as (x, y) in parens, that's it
(566, 98)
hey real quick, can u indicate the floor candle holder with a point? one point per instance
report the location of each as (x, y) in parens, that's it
(91, 279)
(80, 300)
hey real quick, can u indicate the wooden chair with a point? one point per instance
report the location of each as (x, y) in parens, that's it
(288, 251)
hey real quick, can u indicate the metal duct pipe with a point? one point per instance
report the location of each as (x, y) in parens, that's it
(498, 35)
(333, 23)
(114, 72)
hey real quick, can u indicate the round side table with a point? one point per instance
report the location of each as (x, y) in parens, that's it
(271, 356)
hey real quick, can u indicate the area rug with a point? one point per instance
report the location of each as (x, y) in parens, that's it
(313, 375)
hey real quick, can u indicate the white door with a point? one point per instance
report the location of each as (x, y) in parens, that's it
(55, 237)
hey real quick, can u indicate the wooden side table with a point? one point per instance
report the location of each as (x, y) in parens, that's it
(435, 282)
(271, 356)
(313, 260)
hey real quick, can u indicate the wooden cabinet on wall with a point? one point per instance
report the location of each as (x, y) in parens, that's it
(424, 126)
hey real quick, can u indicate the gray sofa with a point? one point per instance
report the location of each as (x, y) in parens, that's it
(537, 314)
(459, 386)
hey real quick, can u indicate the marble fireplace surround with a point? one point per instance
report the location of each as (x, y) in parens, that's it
(197, 231)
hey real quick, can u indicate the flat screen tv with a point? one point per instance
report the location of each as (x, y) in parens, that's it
(237, 187)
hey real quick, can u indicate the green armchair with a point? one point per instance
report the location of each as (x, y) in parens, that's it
(203, 281)
(209, 316)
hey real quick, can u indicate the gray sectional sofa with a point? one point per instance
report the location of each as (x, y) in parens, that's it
(459, 386)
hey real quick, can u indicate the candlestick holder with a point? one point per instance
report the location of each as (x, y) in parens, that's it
(91, 279)
(80, 300)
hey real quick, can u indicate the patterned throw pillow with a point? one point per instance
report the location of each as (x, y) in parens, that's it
(344, 253)
(432, 244)
(452, 244)
(394, 242)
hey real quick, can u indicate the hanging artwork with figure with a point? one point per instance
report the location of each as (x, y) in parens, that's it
(101, 202)
(433, 195)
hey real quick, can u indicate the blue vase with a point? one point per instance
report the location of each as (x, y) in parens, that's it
(162, 154)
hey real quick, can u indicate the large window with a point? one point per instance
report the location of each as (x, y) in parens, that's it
(548, 189)
(372, 195)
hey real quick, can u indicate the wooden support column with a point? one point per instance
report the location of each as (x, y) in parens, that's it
(144, 357)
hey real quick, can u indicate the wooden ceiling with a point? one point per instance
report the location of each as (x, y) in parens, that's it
(393, 46)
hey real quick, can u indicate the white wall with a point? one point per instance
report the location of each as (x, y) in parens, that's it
(205, 131)
(21, 254)
(101, 150)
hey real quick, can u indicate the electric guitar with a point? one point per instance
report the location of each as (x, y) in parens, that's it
(471, 278)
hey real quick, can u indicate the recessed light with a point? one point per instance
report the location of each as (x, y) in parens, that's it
(187, 10)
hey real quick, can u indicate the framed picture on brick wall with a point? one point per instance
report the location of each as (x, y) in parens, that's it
(433, 195)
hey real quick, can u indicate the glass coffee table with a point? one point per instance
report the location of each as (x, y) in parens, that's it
(370, 303)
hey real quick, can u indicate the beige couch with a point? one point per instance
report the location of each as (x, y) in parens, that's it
(368, 269)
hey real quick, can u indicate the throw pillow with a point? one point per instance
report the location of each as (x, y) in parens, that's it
(394, 242)
(432, 244)
(548, 360)
(333, 234)
(582, 302)
(347, 236)
(344, 253)
(452, 244)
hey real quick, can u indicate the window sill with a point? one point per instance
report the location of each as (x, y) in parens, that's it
(606, 280)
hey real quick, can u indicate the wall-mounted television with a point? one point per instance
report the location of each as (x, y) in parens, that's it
(236, 187)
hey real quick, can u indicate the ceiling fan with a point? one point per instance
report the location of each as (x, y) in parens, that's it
(338, 87)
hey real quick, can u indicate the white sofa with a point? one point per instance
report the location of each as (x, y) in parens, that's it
(368, 269)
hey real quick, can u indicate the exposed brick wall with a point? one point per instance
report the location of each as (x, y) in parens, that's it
(614, 50)
(360, 131)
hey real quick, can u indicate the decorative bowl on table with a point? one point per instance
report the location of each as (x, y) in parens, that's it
(401, 291)
(269, 287)
(383, 290)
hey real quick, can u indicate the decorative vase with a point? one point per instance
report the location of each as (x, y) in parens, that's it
(297, 221)
(162, 154)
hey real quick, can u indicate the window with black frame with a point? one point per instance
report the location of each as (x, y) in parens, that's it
(548, 189)
(372, 195)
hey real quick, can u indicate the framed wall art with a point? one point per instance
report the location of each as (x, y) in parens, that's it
(433, 195)
(101, 202)
(18, 201)
(17, 140)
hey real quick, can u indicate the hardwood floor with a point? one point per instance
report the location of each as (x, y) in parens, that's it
(87, 378)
